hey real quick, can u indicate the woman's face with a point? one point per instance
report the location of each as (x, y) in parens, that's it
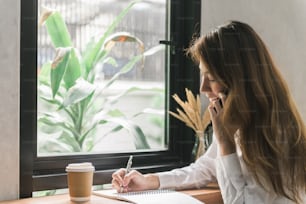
(209, 86)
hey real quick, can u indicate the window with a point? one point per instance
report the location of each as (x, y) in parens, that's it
(118, 111)
(43, 170)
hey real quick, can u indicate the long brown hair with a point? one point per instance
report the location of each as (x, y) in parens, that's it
(272, 133)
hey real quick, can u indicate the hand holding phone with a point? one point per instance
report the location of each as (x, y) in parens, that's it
(222, 96)
(220, 102)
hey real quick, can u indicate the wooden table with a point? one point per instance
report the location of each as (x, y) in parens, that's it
(209, 195)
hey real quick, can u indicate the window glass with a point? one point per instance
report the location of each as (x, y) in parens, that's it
(172, 73)
(101, 84)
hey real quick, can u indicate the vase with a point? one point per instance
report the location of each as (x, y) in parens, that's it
(203, 139)
(199, 146)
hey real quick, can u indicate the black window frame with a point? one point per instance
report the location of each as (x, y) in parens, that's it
(47, 173)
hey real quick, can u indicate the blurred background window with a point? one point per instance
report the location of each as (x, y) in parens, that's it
(131, 110)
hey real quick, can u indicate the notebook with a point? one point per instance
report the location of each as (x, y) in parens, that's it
(149, 197)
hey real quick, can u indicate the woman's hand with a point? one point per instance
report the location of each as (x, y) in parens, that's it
(227, 146)
(134, 181)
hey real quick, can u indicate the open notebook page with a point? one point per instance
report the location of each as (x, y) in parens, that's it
(150, 197)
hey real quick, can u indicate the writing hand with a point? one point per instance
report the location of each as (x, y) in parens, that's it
(118, 179)
(134, 181)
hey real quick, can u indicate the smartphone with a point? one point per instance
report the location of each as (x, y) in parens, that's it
(225, 92)
(220, 102)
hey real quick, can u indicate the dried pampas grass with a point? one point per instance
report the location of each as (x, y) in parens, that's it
(191, 113)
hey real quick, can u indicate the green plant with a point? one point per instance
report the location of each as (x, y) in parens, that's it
(68, 89)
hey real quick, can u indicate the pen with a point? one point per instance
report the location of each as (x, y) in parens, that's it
(129, 164)
(128, 169)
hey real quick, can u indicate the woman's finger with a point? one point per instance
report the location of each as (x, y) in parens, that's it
(116, 185)
(130, 176)
(212, 111)
(222, 96)
(119, 175)
(217, 105)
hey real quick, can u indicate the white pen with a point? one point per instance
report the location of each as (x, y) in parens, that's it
(128, 169)
(129, 164)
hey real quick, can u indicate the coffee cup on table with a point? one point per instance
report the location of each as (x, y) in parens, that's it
(80, 179)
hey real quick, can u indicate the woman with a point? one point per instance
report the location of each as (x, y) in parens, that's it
(258, 152)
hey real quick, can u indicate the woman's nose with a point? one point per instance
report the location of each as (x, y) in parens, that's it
(204, 86)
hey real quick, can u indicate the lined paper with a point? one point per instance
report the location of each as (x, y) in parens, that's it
(150, 197)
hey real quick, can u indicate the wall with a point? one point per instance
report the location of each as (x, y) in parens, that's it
(9, 94)
(280, 23)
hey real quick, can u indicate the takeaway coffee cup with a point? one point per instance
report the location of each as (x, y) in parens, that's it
(80, 178)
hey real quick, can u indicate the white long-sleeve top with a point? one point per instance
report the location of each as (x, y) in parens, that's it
(236, 183)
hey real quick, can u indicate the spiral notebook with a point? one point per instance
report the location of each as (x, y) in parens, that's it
(149, 197)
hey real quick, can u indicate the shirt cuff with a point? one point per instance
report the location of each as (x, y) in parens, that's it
(166, 180)
(230, 165)
(231, 169)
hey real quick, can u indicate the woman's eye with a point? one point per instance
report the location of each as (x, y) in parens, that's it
(210, 78)
(207, 77)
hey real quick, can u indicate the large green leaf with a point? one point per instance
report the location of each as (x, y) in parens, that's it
(70, 140)
(154, 111)
(114, 99)
(120, 37)
(44, 73)
(140, 139)
(51, 143)
(53, 101)
(57, 120)
(93, 55)
(111, 61)
(130, 65)
(73, 69)
(53, 119)
(58, 68)
(117, 117)
(57, 30)
(81, 90)
(123, 37)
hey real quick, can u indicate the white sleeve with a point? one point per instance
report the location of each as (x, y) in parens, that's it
(230, 179)
(238, 189)
(196, 175)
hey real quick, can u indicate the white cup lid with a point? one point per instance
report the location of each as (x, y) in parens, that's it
(80, 167)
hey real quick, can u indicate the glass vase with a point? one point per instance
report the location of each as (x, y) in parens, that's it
(199, 146)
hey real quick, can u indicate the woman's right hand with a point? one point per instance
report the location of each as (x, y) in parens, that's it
(134, 181)
(226, 144)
